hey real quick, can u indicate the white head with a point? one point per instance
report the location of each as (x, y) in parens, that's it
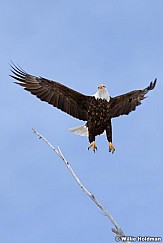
(102, 93)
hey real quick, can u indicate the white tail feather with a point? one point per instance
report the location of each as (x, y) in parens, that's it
(81, 130)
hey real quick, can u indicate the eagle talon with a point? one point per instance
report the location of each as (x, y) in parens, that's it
(111, 148)
(93, 146)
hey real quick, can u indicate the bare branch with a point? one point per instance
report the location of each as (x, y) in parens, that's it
(117, 230)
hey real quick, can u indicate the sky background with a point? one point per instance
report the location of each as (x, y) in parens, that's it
(81, 44)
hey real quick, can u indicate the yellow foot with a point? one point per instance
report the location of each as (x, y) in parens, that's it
(93, 146)
(111, 148)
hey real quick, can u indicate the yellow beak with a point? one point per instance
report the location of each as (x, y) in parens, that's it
(101, 86)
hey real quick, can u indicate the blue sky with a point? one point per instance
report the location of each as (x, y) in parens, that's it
(81, 44)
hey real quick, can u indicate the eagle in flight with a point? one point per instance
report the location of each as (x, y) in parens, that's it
(96, 110)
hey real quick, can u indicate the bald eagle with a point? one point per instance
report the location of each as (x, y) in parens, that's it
(96, 110)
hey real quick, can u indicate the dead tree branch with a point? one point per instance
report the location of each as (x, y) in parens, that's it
(117, 230)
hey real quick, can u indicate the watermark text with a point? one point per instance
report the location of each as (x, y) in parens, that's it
(138, 239)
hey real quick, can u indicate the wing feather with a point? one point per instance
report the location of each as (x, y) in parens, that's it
(124, 104)
(56, 94)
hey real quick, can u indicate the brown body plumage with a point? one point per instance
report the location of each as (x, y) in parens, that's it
(97, 110)
(98, 119)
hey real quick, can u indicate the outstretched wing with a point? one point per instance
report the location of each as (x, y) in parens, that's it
(56, 94)
(124, 104)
